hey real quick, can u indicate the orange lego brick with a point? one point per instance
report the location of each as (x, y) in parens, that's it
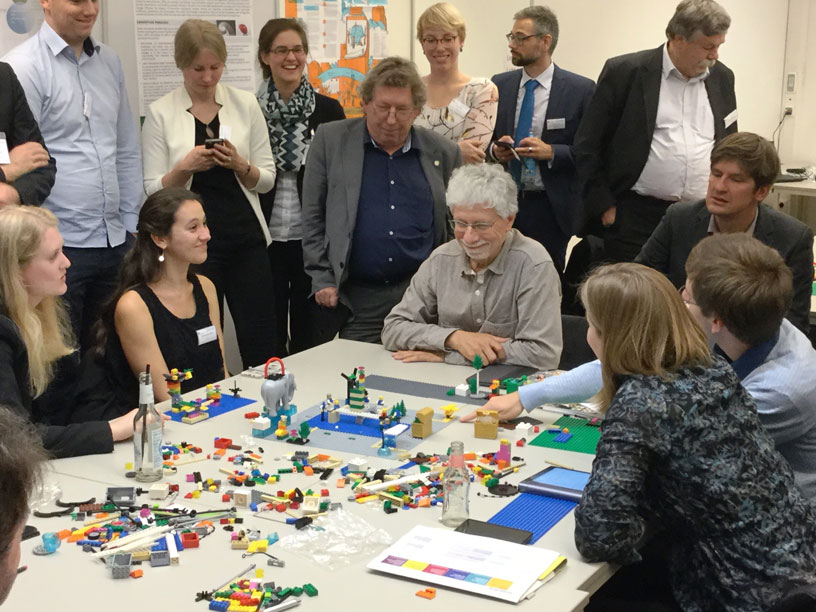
(137, 573)
(428, 593)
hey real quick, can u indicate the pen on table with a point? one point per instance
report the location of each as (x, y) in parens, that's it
(21, 569)
(561, 465)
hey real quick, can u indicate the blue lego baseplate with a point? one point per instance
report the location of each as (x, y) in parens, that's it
(227, 404)
(532, 512)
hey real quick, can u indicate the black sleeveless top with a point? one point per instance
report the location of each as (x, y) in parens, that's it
(179, 344)
(229, 214)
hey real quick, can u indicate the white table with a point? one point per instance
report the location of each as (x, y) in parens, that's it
(317, 372)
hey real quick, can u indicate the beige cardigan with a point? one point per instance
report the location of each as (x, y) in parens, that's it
(168, 135)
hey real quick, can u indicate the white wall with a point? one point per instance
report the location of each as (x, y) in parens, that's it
(798, 133)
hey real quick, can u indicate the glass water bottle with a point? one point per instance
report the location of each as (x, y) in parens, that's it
(147, 433)
(455, 487)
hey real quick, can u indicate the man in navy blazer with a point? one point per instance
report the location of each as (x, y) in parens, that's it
(645, 139)
(549, 204)
(744, 167)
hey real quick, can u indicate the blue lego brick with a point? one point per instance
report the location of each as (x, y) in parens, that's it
(227, 404)
(532, 512)
(562, 437)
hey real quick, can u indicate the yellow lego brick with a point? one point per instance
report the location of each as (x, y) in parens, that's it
(367, 498)
(258, 546)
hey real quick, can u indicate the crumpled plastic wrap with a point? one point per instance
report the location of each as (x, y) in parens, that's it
(336, 539)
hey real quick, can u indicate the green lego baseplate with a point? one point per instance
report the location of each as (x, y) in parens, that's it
(584, 436)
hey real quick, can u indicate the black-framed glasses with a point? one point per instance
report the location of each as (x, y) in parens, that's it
(458, 225)
(284, 51)
(400, 112)
(518, 39)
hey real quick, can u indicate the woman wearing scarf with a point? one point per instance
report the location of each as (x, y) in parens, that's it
(293, 110)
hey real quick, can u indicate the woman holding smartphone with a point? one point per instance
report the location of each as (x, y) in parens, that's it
(211, 138)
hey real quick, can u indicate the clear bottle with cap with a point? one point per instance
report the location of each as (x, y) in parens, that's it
(147, 433)
(455, 487)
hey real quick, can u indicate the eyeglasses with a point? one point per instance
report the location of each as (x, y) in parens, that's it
(400, 112)
(683, 293)
(458, 225)
(445, 40)
(284, 51)
(518, 39)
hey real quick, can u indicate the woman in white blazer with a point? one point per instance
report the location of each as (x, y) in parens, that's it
(212, 139)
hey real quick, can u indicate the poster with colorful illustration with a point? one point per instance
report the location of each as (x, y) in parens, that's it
(19, 19)
(346, 38)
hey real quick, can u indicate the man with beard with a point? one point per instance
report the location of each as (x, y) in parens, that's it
(540, 108)
(491, 292)
(645, 139)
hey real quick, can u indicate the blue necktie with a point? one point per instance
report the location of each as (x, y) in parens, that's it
(524, 128)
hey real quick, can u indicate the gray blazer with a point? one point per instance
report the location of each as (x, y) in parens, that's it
(686, 223)
(331, 192)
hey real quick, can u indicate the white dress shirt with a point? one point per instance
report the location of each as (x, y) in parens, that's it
(678, 164)
(81, 106)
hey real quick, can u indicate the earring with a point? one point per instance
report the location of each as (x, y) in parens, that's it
(462, 48)
(161, 257)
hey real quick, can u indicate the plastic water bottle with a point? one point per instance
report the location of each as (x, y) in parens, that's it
(455, 487)
(147, 433)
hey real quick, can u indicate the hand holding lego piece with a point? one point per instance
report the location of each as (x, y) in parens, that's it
(508, 407)
(470, 344)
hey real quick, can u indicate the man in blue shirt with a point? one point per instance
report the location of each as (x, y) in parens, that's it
(75, 87)
(374, 202)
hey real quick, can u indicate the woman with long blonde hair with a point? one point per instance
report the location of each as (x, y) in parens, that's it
(37, 353)
(682, 449)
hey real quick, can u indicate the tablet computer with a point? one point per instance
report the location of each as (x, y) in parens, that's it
(556, 482)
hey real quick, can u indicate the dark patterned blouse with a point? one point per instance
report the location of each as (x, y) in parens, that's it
(690, 457)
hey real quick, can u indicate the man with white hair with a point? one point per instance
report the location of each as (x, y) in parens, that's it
(491, 292)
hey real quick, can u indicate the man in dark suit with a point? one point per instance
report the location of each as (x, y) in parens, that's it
(743, 169)
(28, 174)
(645, 138)
(374, 201)
(548, 196)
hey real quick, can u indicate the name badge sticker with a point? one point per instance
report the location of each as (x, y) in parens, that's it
(206, 334)
(730, 118)
(4, 154)
(556, 124)
(458, 108)
(87, 105)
